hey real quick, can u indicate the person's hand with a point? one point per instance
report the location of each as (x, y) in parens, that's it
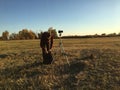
(49, 51)
(46, 51)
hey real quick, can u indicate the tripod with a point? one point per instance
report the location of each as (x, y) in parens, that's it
(62, 48)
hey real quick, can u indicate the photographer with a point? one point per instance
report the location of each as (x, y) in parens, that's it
(46, 46)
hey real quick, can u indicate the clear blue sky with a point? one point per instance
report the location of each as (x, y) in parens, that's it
(75, 17)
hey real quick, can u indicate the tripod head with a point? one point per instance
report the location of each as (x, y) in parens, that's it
(60, 33)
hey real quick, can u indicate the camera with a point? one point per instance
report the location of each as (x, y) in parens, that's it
(60, 31)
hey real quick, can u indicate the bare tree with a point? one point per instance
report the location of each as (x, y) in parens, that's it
(5, 35)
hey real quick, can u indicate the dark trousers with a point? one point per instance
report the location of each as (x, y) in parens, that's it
(47, 58)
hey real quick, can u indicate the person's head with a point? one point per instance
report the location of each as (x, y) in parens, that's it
(51, 33)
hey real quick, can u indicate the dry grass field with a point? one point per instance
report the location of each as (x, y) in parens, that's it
(94, 65)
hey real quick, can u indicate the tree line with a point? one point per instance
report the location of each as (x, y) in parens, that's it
(95, 35)
(25, 34)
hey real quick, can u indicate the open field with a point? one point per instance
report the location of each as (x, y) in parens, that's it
(94, 65)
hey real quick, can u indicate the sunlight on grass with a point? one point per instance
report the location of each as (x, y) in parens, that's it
(94, 65)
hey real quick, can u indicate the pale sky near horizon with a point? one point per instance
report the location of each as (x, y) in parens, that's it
(74, 17)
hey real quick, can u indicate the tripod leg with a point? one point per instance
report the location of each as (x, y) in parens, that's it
(63, 52)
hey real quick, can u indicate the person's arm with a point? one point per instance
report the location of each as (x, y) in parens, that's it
(41, 42)
(51, 43)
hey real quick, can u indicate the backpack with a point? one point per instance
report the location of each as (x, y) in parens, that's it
(48, 58)
(45, 36)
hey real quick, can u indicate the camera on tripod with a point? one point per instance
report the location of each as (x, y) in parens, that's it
(60, 32)
(61, 46)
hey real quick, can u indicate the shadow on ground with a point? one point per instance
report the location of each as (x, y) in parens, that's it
(73, 68)
(18, 71)
(3, 55)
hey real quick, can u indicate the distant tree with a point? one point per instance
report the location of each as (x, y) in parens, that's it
(119, 34)
(103, 34)
(24, 34)
(0, 37)
(5, 35)
(112, 34)
(14, 36)
(27, 34)
(96, 35)
(32, 35)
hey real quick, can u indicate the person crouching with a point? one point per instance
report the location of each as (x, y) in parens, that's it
(46, 44)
